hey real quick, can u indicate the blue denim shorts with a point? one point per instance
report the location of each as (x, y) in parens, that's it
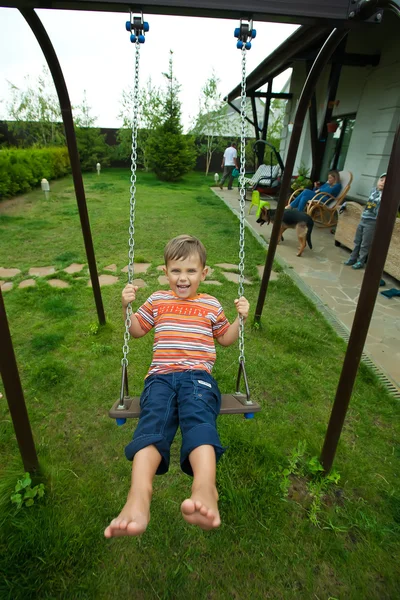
(190, 399)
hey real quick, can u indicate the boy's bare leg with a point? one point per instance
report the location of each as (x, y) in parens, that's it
(135, 516)
(202, 507)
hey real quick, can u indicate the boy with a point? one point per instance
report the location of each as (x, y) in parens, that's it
(366, 227)
(179, 388)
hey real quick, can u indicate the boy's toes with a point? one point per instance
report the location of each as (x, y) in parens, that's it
(188, 507)
(204, 511)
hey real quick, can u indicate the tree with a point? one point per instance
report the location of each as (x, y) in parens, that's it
(169, 152)
(150, 117)
(35, 114)
(276, 124)
(211, 120)
(91, 143)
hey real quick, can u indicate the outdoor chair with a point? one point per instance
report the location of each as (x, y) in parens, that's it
(325, 213)
(256, 201)
(264, 176)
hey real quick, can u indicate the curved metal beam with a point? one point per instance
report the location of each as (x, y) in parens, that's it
(319, 64)
(47, 48)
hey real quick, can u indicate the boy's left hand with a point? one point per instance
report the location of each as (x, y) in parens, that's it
(243, 307)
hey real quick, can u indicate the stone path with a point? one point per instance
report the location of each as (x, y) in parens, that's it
(321, 270)
(228, 270)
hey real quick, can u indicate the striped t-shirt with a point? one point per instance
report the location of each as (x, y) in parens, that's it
(184, 331)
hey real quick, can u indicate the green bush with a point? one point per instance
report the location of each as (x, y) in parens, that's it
(170, 155)
(23, 169)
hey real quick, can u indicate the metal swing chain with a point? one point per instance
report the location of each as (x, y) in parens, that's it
(242, 199)
(132, 202)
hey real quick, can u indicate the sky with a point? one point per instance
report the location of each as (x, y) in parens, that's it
(96, 56)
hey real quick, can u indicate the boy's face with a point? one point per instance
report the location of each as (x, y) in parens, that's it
(381, 183)
(184, 275)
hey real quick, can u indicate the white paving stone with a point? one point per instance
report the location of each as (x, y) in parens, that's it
(58, 283)
(105, 280)
(41, 271)
(9, 272)
(27, 283)
(137, 268)
(235, 278)
(74, 268)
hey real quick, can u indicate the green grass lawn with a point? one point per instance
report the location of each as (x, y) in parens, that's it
(281, 536)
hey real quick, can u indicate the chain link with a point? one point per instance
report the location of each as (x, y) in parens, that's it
(242, 198)
(132, 202)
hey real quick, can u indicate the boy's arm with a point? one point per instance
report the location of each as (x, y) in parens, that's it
(232, 333)
(129, 296)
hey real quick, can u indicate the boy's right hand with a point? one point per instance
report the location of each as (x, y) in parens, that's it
(129, 294)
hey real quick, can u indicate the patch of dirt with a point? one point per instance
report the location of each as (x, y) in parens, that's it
(13, 203)
(298, 491)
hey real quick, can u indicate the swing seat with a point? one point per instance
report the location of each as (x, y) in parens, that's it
(230, 405)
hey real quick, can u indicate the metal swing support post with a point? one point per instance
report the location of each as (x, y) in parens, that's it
(15, 395)
(47, 48)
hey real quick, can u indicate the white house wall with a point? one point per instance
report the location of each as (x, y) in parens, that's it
(372, 93)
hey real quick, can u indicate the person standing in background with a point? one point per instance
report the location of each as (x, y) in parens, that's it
(229, 162)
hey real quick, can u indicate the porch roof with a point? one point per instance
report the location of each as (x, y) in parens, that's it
(302, 45)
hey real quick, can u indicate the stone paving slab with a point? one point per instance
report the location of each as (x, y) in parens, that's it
(41, 271)
(234, 277)
(273, 277)
(106, 280)
(113, 268)
(7, 286)
(74, 268)
(9, 272)
(27, 283)
(227, 266)
(139, 282)
(58, 283)
(137, 268)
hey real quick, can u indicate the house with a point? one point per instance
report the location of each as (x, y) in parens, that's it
(229, 120)
(358, 92)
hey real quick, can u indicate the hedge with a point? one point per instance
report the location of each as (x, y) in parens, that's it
(22, 170)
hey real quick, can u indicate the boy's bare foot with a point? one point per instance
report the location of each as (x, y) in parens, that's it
(202, 508)
(133, 518)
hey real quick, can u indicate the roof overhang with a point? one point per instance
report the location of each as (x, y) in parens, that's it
(303, 45)
(288, 11)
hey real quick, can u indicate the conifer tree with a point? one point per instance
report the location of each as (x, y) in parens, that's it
(170, 154)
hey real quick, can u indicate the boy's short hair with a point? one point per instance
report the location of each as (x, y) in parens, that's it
(184, 246)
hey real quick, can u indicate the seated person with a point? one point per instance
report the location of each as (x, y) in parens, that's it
(332, 186)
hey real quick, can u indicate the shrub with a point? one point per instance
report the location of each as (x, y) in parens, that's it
(170, 155)
(23, 169)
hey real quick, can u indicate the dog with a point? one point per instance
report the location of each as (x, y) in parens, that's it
(292, 219)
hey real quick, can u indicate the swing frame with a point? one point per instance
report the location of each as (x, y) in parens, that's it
(330, 19)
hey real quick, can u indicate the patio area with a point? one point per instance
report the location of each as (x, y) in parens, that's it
(321, 274)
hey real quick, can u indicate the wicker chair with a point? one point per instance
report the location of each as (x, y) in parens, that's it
(325, 213)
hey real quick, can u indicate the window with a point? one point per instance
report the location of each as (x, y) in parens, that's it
(338, 146)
